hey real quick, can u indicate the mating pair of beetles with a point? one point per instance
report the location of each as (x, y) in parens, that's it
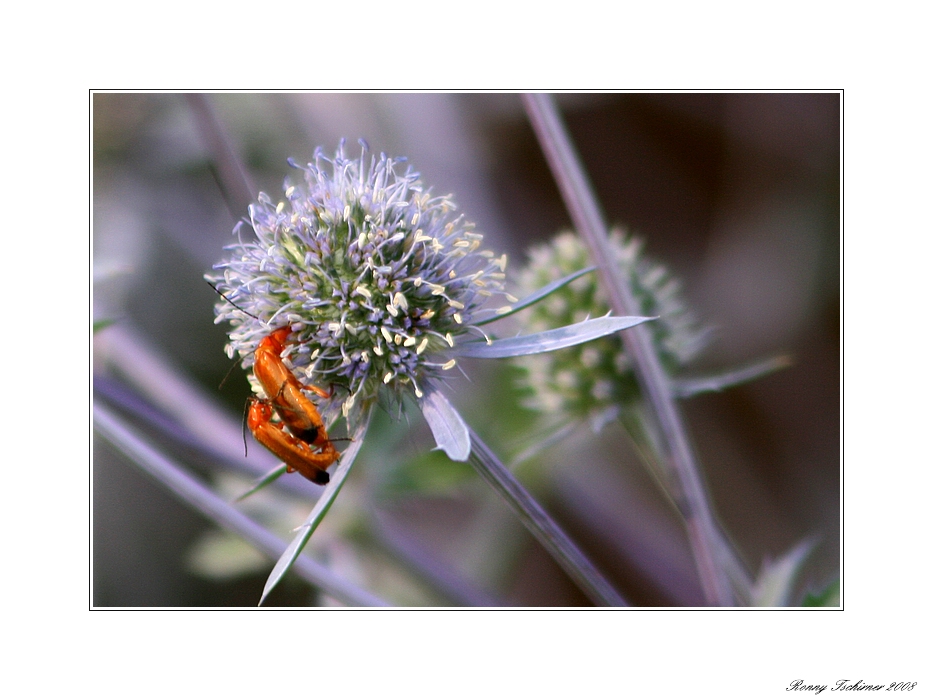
(305, 447)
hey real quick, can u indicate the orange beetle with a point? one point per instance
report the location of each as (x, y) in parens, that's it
(296, 411)
(285, 392)
(297, 454)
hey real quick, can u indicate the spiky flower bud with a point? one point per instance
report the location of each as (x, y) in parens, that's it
(584, 381)
(376, 277)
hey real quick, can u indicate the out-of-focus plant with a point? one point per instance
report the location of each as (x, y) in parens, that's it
(595, 384)
(661, 429)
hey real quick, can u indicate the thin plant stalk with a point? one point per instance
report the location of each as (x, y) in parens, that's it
(205, 501)
(235, 183)
(545, 530)
(688, 489)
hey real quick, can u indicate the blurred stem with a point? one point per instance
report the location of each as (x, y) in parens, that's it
(545, 530)
(235, 184)
(205, 501)
(443, 579)
(687, 488)
(646, 437)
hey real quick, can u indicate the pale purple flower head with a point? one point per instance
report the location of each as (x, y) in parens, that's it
(377, 278)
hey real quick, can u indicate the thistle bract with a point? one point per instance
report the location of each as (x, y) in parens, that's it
(584, 381)
(376, 277)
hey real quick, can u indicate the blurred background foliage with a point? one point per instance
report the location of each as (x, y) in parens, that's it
(737, 194)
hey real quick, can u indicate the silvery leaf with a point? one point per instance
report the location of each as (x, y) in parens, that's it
(554, 339)
(490, 316)
(449, 429)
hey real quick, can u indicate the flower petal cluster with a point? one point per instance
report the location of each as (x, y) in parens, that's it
(376, 277)
(587, 380)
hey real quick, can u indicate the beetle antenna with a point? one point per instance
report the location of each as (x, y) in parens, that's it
(233, 303)
(227, 375)
(235, 362)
